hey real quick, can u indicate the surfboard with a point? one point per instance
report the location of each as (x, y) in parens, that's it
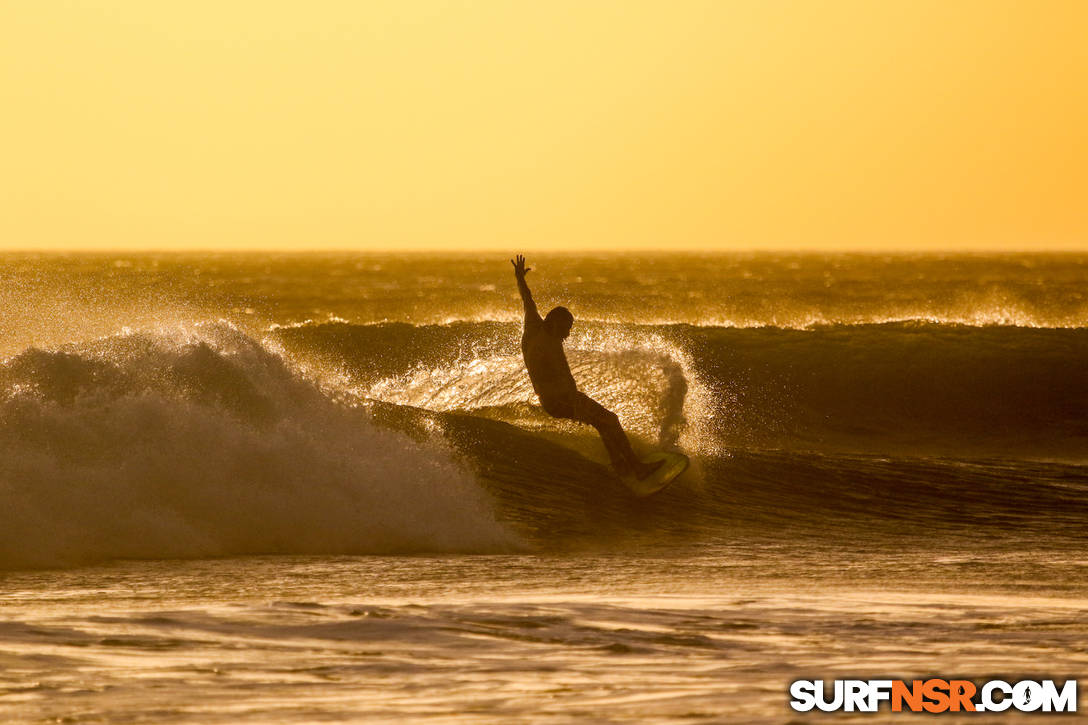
(674, 464)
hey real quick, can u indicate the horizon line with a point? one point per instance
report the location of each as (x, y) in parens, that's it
(515, 249)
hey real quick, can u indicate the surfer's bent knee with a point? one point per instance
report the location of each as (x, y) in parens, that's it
(557, 408)
(597, 412)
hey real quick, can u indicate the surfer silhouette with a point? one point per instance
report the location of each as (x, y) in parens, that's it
(542, 346)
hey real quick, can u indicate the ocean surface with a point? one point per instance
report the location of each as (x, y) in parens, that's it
(318, 487)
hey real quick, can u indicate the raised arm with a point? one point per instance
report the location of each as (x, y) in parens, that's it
(520, 270)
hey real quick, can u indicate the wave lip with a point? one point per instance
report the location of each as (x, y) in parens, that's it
(203, 443)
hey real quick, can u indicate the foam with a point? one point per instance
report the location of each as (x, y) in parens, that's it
(201, 442)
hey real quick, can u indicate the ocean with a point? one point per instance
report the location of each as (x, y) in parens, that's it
(267, 487)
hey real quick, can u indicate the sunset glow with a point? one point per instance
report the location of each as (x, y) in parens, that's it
(563, 125)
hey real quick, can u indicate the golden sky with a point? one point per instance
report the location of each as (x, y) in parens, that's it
(379, 124)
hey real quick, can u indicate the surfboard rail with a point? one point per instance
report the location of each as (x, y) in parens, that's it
(673, 464)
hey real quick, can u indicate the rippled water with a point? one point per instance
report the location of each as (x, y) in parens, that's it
(621, 638)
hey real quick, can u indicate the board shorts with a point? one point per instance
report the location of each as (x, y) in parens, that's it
(577, 406)
(580, 407)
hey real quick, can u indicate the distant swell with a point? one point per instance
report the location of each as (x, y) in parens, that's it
(202, 443)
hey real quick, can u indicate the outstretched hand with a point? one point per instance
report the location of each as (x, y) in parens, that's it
(520, 270)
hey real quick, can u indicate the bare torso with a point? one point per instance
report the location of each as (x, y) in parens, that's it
(546, 363)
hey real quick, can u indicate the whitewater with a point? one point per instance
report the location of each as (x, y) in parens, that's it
(319, 486)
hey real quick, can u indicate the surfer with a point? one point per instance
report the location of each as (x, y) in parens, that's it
(542, 346)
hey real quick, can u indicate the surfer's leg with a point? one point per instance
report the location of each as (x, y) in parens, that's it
(587, 410)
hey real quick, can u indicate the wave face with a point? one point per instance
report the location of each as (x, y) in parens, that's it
(892, 430)
(203, 443)
(904, 387)
(392, 438)
(916, 388)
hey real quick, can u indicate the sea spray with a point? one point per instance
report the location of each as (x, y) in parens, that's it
(202, 443)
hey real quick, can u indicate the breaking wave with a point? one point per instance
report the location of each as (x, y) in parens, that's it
(203, 443)
(399, 438)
